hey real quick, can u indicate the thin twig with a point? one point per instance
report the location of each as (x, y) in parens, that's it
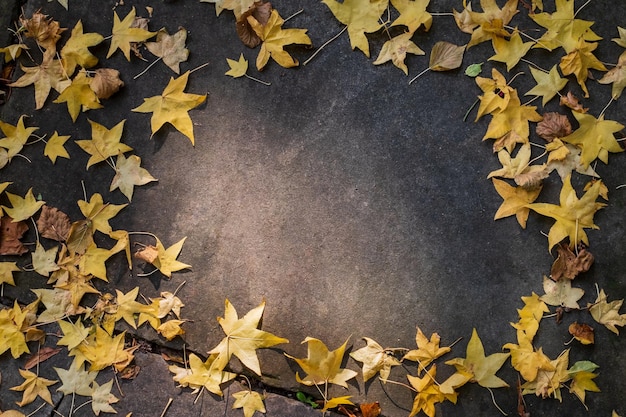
(169, 402)
(293, 15)
(324, 45)
(147, 68)
(493, 399)
(581, 7)
(606, 107)
(257, 80)
(470, 109)
(37, 409)
(419, 75)
(198, 67)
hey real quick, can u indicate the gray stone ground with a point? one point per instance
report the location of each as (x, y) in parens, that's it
(352, 203)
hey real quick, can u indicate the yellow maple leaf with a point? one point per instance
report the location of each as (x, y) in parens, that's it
(126, 308)
(579, 61)
(79, 96)
(101, 398)
(616, 76)
(11, 335)
(427, 350)
(128, 174)
(563, 29)
(33, 386)
(561, 293)
(323, 366)
(99, 213)
(375, 359)
(12, 52)
(250, 401)
(44, 260)
(607, 313)
(171, 328)
(525, 359)
(572, 215)
(209, 374)
(548, 84)
(548, 382)
(76, 49)
(395, 50)
(46, 76)
(73, 333)
(361, 17)
(491, 21)
(496, 94)
(16, 136)
(170, 48)
(172, 107)
(6, 272)
(55, 147)
(76, 380)
(512, 121)
(123, 34)
(413, 14)
(510, 51)
(595, 137)
(481, 368)
(104, 143)
(22, 208)
(516, 200)
(102, 350)
(428, 393)
(530, 315)
(274, 38)
(166, 259)
(243, 337)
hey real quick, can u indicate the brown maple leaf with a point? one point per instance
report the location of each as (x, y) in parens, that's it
(571, 101)
(10, 234)
(43, 29)
(554, 125)
(261, 12)
(53, 224)
(569, 265)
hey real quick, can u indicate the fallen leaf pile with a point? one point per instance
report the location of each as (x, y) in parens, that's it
(94, 327)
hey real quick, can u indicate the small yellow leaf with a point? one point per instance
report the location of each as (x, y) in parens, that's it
(237, 68)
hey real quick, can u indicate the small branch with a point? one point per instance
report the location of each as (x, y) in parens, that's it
(37, 409)
(606, 107)
(198, 67)
(324, 45)
(530, 101)
(25, 157)
(581, 7)
(470, 109)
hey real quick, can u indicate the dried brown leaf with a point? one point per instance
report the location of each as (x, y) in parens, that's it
(140, 23)
(446, 56)
(45, 31)
(532, 177)
(44, 353)
(53, 224)
(106, 82)
(148, 254)
(554, 125)
(568, 264)
(10, 234)
(261, 12)
(582, 332)
(571, 101)
(130, 372)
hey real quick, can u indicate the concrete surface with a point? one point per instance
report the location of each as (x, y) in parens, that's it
(354, 204)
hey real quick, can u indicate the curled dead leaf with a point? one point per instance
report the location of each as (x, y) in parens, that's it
(53, 224)
(261, 12)
(140, 23)
(44, 353)
(10, 234)
(571, 101)
(532, 177)
(43, 29)
(554, 125)
(106, 82)
(148, 254)
(582, 332)
(569, 265)
(130, 372)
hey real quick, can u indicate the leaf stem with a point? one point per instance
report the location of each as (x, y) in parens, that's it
(324, 45)
(470, 109)
(147, 68)
(534, 65)
(257, 80)
(581, 7)
(419, 75)
(198, 67)
(293, 15)
(169, 402)
(37, 409)
(606, 107)
(493, 399)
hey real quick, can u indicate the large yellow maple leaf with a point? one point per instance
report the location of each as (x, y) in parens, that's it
(208, 374)
(572, 215)
(413, 14)
(33, 386)
(172, 107)
(428, 393)
(104, 143)
(491, 21)
(510, 51)
(75, 51)
(375, 359)
(361, 17)
(15, 136)
(274, 38)
(243, 337)
(50, 74)
(579, 61)
(595, 138)
(323, 366)
(516, 200)
(123, 34)
(79, 96)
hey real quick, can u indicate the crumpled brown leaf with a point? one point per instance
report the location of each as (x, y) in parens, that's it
(531, 179)
(45, 31)
(554, 125)
(106, 82)
(582, 332)
(141, 23)
(571, 101)
(53, 224)
(568, 265)
(10, 234)
(148, 254)
(261, 12)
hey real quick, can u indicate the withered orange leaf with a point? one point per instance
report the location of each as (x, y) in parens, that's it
(261, 13)
(582, 332)
(554, 125)
(53, 223)
(10, 234)
(106, 82)
(569, 265)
